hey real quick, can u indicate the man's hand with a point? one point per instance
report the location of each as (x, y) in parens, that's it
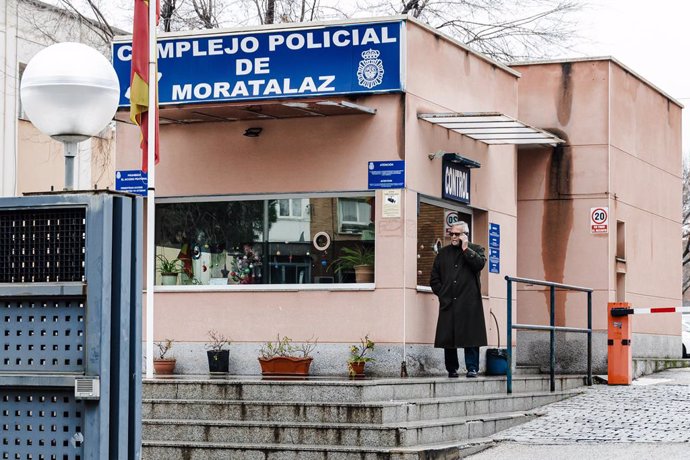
(464, 241)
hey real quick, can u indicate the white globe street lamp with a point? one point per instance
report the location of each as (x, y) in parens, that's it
(70, 92)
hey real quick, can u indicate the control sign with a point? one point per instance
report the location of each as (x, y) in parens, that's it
(599, 220)
(131, 181)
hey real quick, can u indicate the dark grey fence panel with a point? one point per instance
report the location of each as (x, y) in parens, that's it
(70, 306)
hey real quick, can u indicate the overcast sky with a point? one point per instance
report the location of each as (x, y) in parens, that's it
(650, 37)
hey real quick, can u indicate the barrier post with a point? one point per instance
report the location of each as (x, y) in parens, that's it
(619, 346)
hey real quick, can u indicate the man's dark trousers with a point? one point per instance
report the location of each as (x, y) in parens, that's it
(471, 359)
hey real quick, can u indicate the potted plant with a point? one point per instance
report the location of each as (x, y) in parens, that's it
(217, 353)
(360, 259)
(164, 364)
(169, 269)
(358, 358)
(281, 358)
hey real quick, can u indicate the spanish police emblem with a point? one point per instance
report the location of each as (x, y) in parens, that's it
(370, 70)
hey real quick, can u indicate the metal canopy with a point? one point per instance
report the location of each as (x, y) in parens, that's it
(491, 128)
(269, 110)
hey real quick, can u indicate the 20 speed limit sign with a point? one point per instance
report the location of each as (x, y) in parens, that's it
(599, 220)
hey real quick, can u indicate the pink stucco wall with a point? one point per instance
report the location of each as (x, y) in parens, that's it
(331, 154)
(623, 151)
(620, 132)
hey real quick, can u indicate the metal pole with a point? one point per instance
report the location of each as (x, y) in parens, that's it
(151, 192)
(70, 153)
(552, 335)
(509, 337)
(589, 338)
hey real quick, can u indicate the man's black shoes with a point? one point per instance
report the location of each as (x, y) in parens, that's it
(472, 374)
(453, 375)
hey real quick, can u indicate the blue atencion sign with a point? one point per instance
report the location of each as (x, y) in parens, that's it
(296, 62)
(131, 181)
(386, 174)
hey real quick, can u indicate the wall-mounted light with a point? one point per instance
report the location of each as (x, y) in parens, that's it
(455, 158)
(253, 132)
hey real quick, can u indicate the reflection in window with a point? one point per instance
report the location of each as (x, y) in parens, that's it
(263, 241)
(432, 233)
(290, 208)
(355, 215)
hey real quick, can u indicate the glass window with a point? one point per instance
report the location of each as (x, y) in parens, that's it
(432, 235)
(267, 241)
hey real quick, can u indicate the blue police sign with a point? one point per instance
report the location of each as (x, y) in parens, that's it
(296, 62)
(494, 260)
(456, 182)
(131, 181)
(386, 174)
(494, 248)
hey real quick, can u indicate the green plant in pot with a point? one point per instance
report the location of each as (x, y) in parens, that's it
(283, 358)
(217, 353)
(360, 259)
(358, 358)
(169, 269)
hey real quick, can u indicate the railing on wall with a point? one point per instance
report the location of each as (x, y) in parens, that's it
(552, 328)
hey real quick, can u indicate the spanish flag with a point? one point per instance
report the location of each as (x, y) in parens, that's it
(140, 78)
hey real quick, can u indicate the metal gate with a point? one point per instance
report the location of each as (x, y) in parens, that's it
(70, 313)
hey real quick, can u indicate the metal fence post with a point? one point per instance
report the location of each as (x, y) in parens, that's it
(589, 338)
(509, 332)
(552, 337)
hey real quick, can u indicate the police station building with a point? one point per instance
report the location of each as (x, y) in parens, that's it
(285, 149)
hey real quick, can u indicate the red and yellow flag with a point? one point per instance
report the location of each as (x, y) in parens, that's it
(140, 78)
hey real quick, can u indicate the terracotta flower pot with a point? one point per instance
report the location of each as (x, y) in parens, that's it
(356, 369)
(164, 366)
(285, 365)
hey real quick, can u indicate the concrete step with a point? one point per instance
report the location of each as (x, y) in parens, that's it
(225, 451)
(528, 369)
(205, 439)
(346, 390)
(370, 412)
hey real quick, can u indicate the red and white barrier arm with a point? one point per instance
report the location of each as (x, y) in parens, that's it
(640, 311)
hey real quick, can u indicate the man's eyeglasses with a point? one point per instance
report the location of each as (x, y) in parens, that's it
(458, 233)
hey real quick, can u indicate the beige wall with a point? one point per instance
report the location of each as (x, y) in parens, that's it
(41, 162)
(623, 151)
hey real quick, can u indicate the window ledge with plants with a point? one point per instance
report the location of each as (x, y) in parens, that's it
(268, 287)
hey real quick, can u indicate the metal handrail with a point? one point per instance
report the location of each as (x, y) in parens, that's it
(552, 328)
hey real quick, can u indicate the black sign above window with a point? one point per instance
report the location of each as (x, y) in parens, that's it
(455, 182)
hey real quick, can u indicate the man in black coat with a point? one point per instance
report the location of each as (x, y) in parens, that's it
(455, 280)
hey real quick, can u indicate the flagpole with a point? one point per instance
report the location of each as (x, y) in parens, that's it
(151, 190)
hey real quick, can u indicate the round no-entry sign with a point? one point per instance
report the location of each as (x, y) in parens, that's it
(599, 220)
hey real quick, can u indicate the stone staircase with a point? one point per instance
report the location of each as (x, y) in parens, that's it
(330, 419)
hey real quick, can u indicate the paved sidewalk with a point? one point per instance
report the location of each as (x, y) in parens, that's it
(649, 419)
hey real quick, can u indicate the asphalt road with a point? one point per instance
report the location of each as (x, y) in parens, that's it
(649, 419)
